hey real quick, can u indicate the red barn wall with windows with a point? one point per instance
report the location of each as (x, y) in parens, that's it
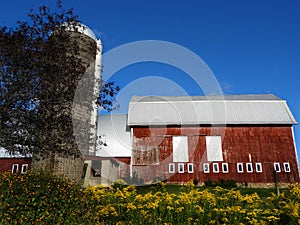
(6, 164)
(152, 153)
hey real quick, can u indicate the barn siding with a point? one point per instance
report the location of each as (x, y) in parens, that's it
(240, 144)
(7, 163)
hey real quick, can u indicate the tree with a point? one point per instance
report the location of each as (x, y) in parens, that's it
(40, 68)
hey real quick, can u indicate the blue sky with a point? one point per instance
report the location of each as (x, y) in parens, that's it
(252, 47)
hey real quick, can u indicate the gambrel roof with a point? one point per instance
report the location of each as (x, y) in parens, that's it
(209, 110)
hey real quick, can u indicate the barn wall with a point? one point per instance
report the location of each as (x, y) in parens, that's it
(152, 153)
(7, 163)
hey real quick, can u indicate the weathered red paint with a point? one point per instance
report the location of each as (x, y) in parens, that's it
(152, 152)
(6, 164)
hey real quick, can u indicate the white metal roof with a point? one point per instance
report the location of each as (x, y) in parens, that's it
(5, 154)
(196, 110)
(113, 131)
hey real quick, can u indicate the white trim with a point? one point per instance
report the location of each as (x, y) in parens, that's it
(277, 167)
(258, 164)
(24, 168)
(206, 167)
(17, 168)
(171, 168)
(238, 168)
(214, 148)
(180, 168)
(131, 143)
(225, 165)
(180, 149)
(190, 167)
(249, 167)
(294, 141)
(287, 167)
(216, 168)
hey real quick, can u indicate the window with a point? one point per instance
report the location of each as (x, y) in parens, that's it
(181, 168)
(286, 167)
(215, 167)
(225, 167)
(277, 167)
(214, 148)
(15, 168)
(24, 168)
(240, 168)
(190, 168)
(171, 168)
(249, 167)
(258, 167)
(180, 149)
(206, 167)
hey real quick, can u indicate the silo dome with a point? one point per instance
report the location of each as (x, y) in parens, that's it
(87, 31)
(83, 29)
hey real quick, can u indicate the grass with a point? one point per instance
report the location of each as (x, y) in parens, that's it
(41, 198)
(177, 188)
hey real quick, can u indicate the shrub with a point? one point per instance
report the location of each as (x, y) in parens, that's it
(221, 183)
(134, 180)
(41, 198)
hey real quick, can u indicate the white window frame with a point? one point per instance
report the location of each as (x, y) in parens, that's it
(249, 169)
(24, 168)
(13, 166)
(214, 148)
(171, 168)
(216, 168)
(225, 165)
(206, 167)
(287, 167)
(180, 168)
(238, 167)
(277, 167)
(190, 167)
(180, 149)
(257, 166)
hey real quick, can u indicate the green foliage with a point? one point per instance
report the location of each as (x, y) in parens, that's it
(41, 67)
(221, 183)
(42, 198)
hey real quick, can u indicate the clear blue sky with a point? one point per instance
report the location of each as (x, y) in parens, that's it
(252, 47)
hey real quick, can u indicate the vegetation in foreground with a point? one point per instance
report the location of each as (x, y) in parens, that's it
(41, 198)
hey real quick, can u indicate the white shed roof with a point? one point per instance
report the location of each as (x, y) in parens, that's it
(5, 154)
(195, 110)
(113, 131)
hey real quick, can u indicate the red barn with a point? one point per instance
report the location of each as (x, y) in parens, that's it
(13, 163)
(238, 137)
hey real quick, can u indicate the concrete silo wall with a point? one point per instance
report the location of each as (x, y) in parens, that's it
(81, 111)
